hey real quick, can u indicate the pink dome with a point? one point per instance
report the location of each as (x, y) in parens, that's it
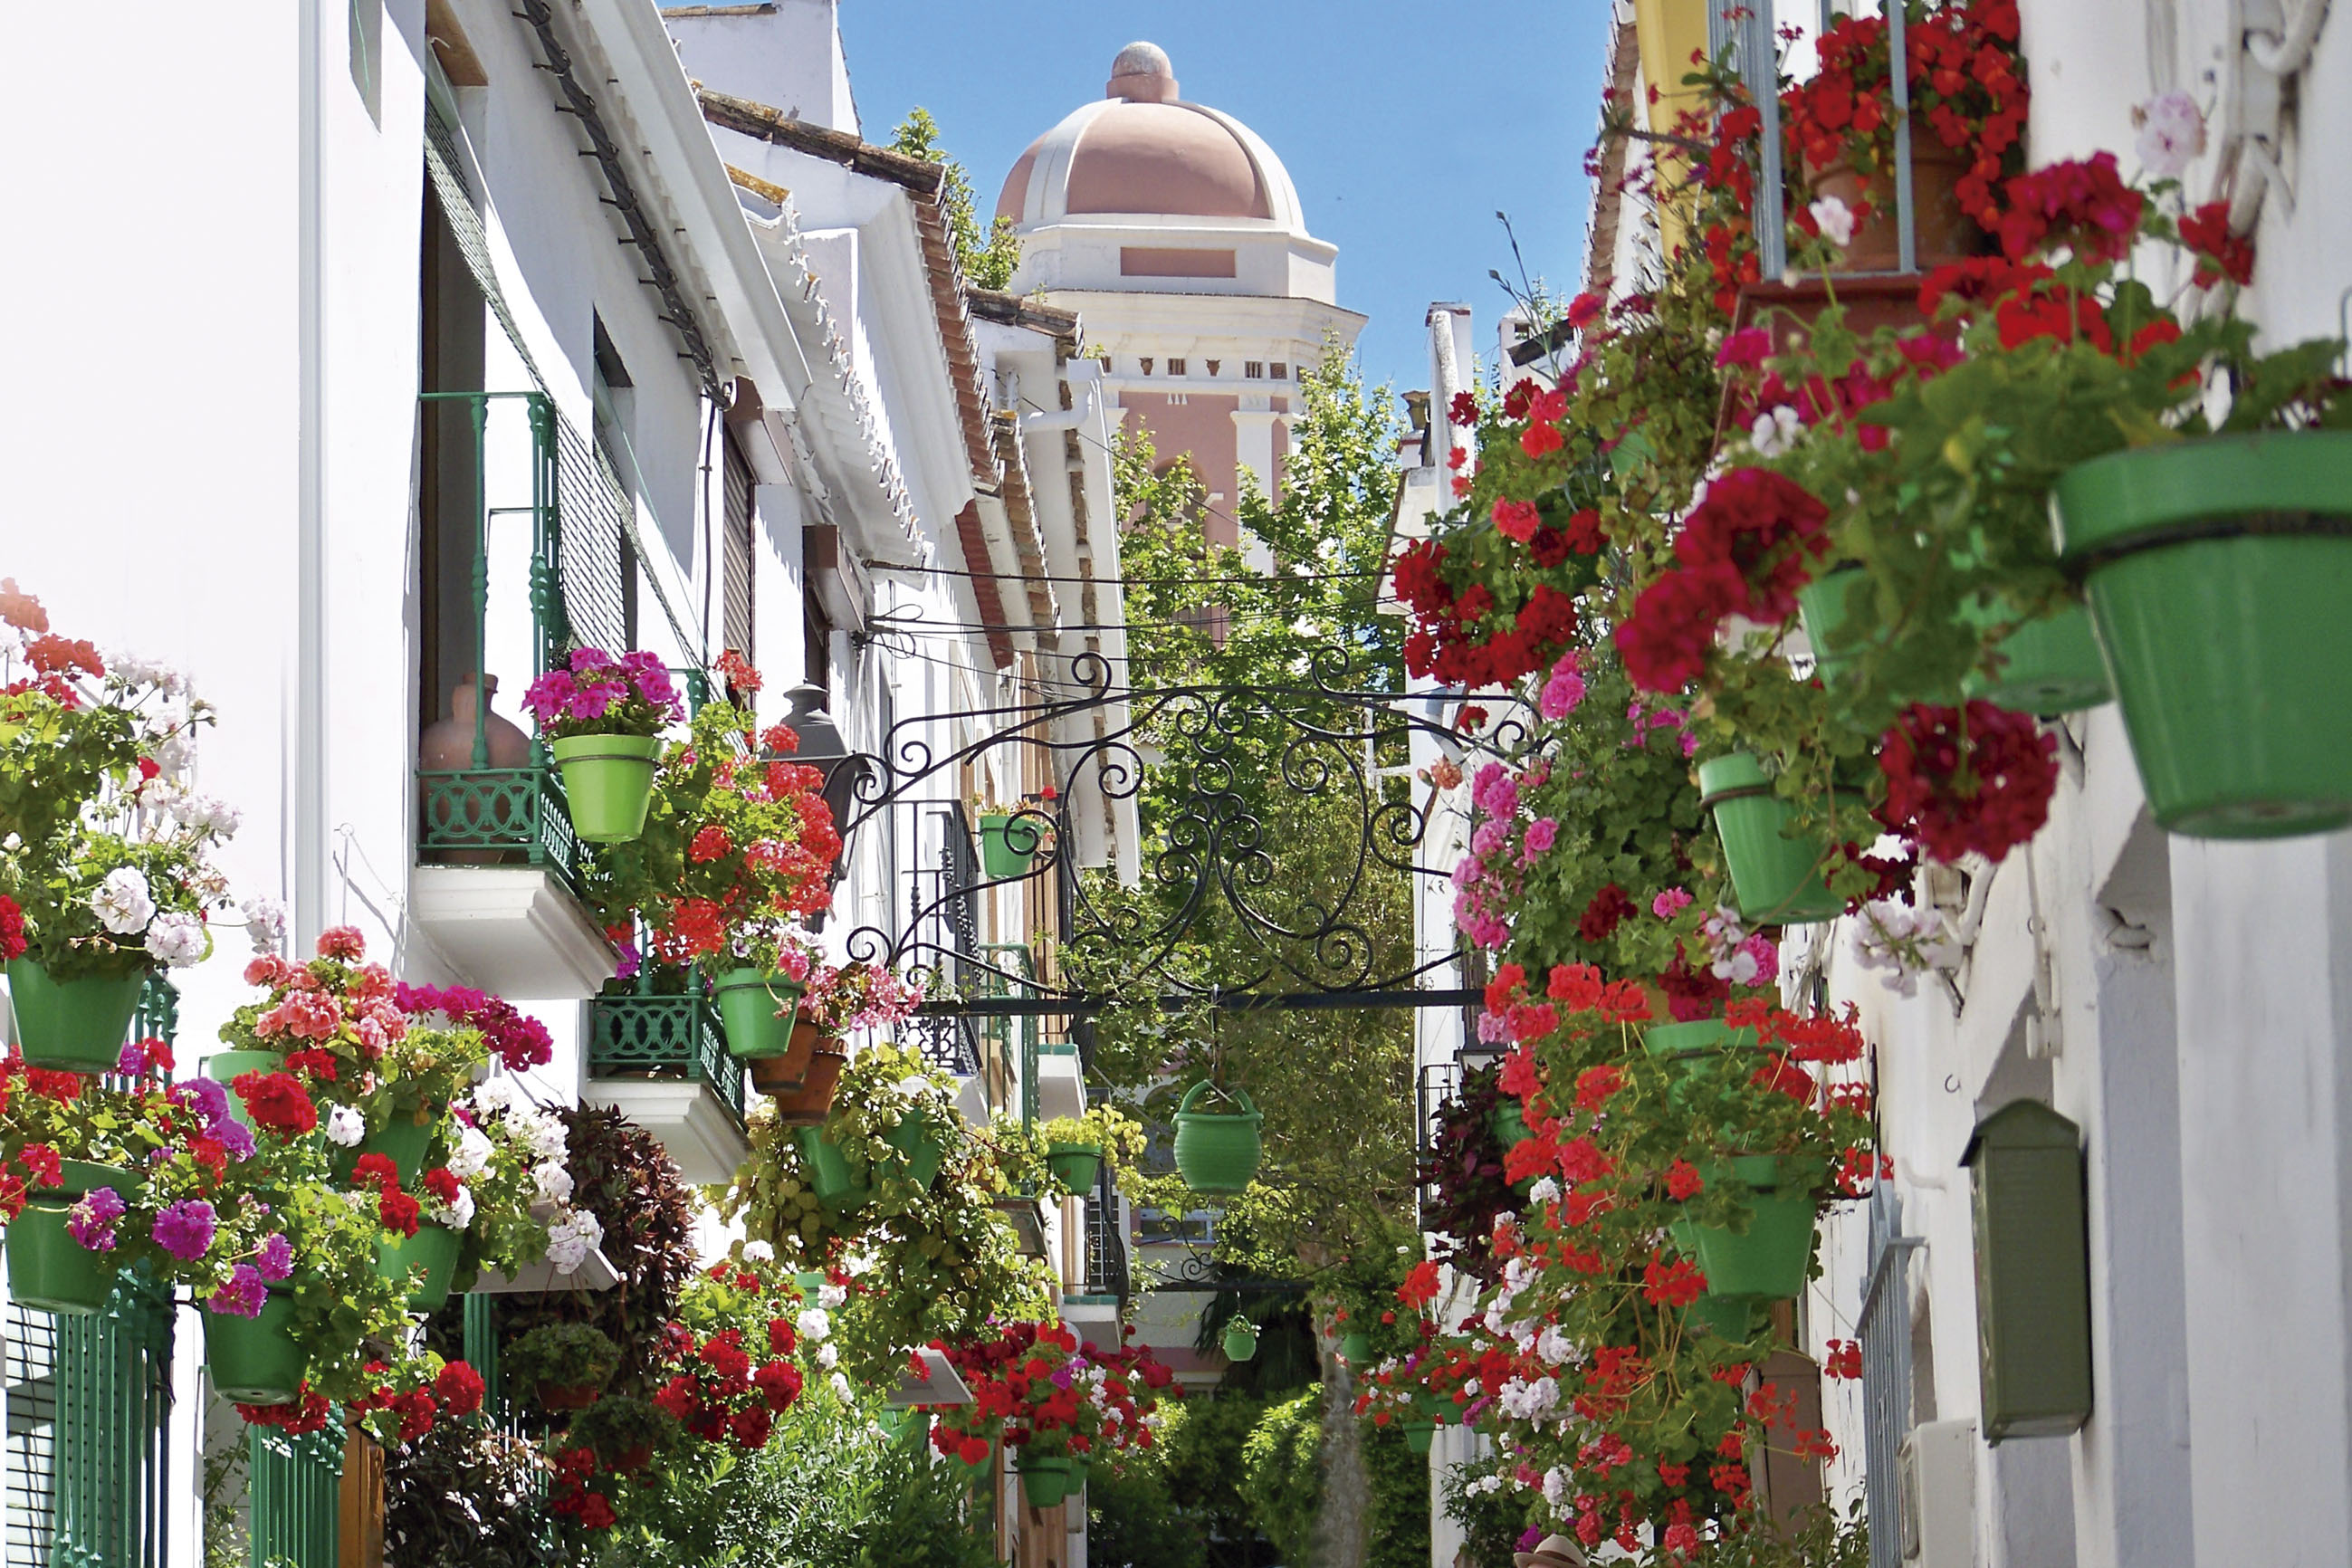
(1142, 151)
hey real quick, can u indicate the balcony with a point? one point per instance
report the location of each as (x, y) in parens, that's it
(662, 1061)
(524, 558)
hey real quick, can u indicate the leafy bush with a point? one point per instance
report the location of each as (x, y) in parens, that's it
(1491, 1522)
(1133, 1518)
(1203, 1462)
(1399, 1535)
(1281, 1481)
(466, 1496)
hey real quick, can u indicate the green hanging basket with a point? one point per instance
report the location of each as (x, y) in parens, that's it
(1078, 1166)
(1692, 1047)
(1355, 1347)
(1217, 1151)
(71, 1026)
(1736, 1317)
(1044, 1480)
(1418, 1433)
(2217, 572)
(48, 1270)
(1080, 1468)
(1778, 880)
(757, 1009)
(1240, 1340)
(1006, 850)
(917, 1139)
(608, 781)
(402, 1141)
(254, 1361)
(2045, 667)
(432, 1249)
(1774, 1257)
(830, 1177)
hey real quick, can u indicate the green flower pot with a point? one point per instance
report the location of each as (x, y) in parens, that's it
(71, 1026)
(757, 1010)
(79, 1177)
(1508, 1122)
(836, 1187)
(1418, 1434)
(2217, 572)
(2045, 667)
(1044, 1481)
(1217, 1151)
(1241, 1340)
(1078, 1166)
(48, 1270)
(1776, 879)
(1080, 1468)
(1774, 1256)
(1735, 1318)
(998, 838)
(608, 781)
(917, 1139)
(1355, 1347)
(1825, 606)
(1692, 1047)
(432, 1249)
(403, 1143)
(254, 1361)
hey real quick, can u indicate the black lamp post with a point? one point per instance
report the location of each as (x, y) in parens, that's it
(823, 748)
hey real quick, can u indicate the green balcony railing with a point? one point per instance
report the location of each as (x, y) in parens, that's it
(646, 1036)
(296, 1490)
(112, 1477)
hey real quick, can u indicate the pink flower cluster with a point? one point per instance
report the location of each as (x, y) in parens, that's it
(598, 694)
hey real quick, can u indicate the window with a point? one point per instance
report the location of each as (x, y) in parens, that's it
(1176, 367)
(735, 552)
(1281, 371)
(1253, 368)
(615, 397)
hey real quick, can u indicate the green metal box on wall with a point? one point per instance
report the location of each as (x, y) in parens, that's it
(2033, 1260)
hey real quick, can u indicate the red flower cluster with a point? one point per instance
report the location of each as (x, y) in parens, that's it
(12, 929)
(279, 1102)
(1956, 780)
(714, 1393)
(1745, 550)
(1034, 1384)
(395, 1209)
(574, 1497)
(2082, 203)
(2220, 254)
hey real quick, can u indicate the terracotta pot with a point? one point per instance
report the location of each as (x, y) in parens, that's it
(1943, 231)
(447, 746)
(806, 1104)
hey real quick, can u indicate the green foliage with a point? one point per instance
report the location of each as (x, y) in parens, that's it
(618, 1422)
(1201, 1460)
(564, 1355)
(467, 1495)
(1399, 1527)
(832, 1489)
(989, 256)
(1281, 1479)
(1823, 1539)
(1491, 1522)
(1133, 1518)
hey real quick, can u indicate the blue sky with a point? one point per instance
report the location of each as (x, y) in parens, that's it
(1405, 127)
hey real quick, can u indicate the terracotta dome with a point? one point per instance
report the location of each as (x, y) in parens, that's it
(1141, 151)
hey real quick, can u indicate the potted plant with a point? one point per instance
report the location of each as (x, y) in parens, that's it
(1240, 1339)
(1056, 1403)
(1013, 837)
(601, 718)
(1076, 1147)
(1217, 1151)
(623, 1432)
(839, 1001)
(567, 1365)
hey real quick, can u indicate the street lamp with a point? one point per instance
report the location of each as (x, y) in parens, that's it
(823, 748)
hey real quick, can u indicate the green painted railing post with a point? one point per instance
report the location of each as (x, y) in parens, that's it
(295, 1490)
(113, 1387)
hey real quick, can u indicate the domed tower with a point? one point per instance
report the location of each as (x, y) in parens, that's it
(1176, 234)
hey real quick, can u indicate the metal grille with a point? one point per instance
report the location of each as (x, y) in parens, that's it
(112, 1454)
(32, 1435)
(1105, 1241)
(1885, 1327)
(653, 1036)
(943, 921)
(295, 1490)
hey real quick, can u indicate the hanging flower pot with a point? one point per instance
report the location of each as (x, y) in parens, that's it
(71, 1026)
(1692, 1046)
(1080, 1468)
(758, 1010)
(565, 1395)
(917, 1139)
(433, 1248)
(2045, 667)
(255, 1361)
(1773, 1256)
(1217, 1151)
(48, 1270)
(226, 1068)
(1418, 1433)
(608, 781)
(1006, 850)
(404, 1140)
(1355, 1347)
(830, 1177)
(1727, 1317)
(1778, 880)
(1078, 1166)
(2217, 572)
(1044, 1480)
(1942, 231)
(1826, 608)
(806, 1103)
(1240, 1339)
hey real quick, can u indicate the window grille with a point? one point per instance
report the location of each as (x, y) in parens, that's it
(1885, 1327)
(1176, 367)
(1252, 370)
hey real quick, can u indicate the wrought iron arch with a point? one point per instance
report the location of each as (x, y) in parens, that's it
(1213, 857)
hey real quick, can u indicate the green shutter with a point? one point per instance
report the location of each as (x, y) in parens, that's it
(2032, 1268)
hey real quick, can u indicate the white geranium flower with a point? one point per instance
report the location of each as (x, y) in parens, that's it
(841, 1384)
(472, 1155)
(543, 1132)
(553, 1181)
(1836, 220)
(177, 940)
(832, 1297)
(264, 922)
(457, 1213)
(2171, 134)
(346, 1127)
(827, 1357)
(1544, 1189)
(1556, 1485)
(175, 752)
(495, 1096)
(123, 901)
(758, 1252)
(815, 1323)
(1554, 1347)
(1531, 1401)
(570, 1240)
(1774, 433)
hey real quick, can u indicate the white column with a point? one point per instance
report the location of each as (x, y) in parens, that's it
(2266, 935)
(1253, 445)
